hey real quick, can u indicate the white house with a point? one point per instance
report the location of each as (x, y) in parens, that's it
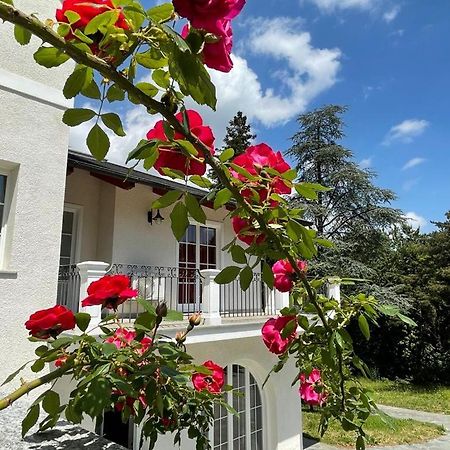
(67, 219)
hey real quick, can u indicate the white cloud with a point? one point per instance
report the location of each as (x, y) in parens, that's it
(307, 71)
(414, 162)
(366, 163)
(406, 131)
(304, 72)
(415, 220)
(332, 5)
(391, 13)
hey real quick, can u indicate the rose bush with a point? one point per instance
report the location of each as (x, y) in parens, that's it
(50, 322)
(308, 391)
(174, 158)
(145, 60)
(110, 292)
(212, 382)
(272, 333)
(285, 275)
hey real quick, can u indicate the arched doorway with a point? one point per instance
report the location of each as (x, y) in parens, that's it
(245, 431)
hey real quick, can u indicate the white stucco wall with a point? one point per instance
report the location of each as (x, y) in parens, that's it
(34, 148)
(115, 227)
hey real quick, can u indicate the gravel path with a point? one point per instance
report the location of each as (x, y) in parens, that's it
(443, 443)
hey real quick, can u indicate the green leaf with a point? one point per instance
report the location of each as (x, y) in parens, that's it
(115, 93)
(146, 320)
(14, 374)
(80, 78)
(161, 78)
(194, 209)
(83, 320)
(76, 116)
(22, 35)
(226, 154)
(51, 403)
(91, 91)
(72, 16)
(227, 275)
(360, 443)
(147, 306)
(180, 221)
(152, 59)
(187, 146)
(238, 254)
(147, 88)
(98, 142)
(50, 57)
(101, 22)
(364, 326)
(202, 182)
(174, 316)
(161, 13)
(166, 200)
(114, 123)
(222, 197)
(109, 349)
(61, 342)
(30, 419)
(192, 77)
(267, 275)
(407, 320)
(245, 278)
(38, 366)
(82, 37)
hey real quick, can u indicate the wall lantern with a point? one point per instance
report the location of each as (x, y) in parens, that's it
(157, 218)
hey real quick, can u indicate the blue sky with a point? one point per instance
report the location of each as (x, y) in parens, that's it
(387, 60)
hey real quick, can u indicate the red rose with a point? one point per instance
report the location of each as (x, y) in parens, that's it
(213, 382)
(124, 400)
(246, 232)
(173, 158)
(109, 291)
(87, 10)
(284, 274)
(256, 160)
(202, 12)
(61, 361)
(217, 55)
(121, 338)
(271, 332)
(50, 322)
(308, 391)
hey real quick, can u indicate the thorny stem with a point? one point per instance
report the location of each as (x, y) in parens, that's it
(10, 14)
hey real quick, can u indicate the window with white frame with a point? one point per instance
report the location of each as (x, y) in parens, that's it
(244, 431)
(4, 212)
(69, 236)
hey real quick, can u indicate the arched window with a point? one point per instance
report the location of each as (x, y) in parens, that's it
(243, 432)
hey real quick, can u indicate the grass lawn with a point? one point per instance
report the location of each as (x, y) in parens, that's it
(399, 432)
(405, 395)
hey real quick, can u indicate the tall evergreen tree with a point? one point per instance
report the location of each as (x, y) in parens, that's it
(239, 137)
(354, 202)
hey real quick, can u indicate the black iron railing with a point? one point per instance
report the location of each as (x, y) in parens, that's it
(68, 293)
(179, 288)
(257, 300)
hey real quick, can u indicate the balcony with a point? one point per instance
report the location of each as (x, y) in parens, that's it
(184, 290)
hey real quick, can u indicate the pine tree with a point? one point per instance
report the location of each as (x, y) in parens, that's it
(239, 137)
(354, 203)
(239, 134)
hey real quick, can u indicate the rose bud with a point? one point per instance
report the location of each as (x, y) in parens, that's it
(161, 310)
(180, 337)
(195, 319)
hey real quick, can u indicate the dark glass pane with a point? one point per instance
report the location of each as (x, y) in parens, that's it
(182, 253)
(203, 254)
(212, 251)
(67, 222)
(212, 236)
(2, 188)
(66, 245)
(1, 217)
(191, 234)
(191, 253)
(203, 235)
